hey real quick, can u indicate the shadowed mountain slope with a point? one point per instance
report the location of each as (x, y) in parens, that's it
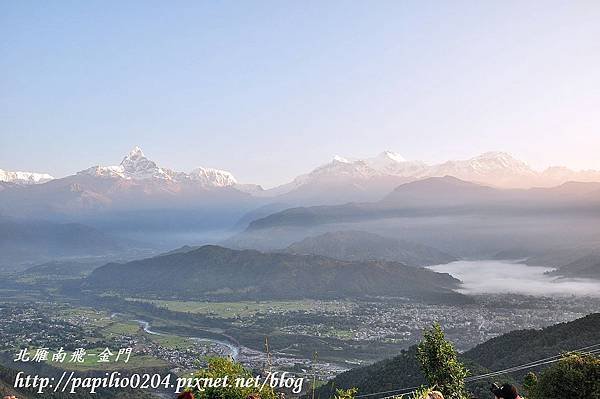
(35, 240)
(512, 349)
(217, 272)
(585, 267)
(360, 245)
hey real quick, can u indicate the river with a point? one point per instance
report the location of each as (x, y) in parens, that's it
(234, 350)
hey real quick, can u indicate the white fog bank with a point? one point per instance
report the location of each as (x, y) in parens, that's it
(497, 276)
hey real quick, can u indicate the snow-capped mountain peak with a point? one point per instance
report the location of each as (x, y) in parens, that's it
(498, 169)
(136, 152)
(499, 157)
(337, 158)
(386, 161)
(213, 177)
(392, 163)
(393, 156)
(136, 166)
(24, 177)
(499, 161)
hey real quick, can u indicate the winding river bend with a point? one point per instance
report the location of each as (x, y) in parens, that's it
(233, 349)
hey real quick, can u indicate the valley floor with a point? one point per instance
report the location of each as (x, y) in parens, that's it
(307, 337)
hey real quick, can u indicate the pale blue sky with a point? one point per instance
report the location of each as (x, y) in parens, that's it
(271, 89)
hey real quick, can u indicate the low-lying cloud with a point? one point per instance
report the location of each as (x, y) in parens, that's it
(491, 276)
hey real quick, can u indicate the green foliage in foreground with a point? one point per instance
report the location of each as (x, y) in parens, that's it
(576, 376)
(440, 365)
(345, 393)
(506, 351)
(225, 367)
(422, 393)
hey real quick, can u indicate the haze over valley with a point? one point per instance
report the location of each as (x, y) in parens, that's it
(351, 260)
(303, 192)
(383, 209)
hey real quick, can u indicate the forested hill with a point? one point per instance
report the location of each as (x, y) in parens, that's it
(217, 272)
(386, 375)
(511, 349)
(524, 346)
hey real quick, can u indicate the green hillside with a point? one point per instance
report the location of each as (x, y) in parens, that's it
(217, 272)
(514, 348)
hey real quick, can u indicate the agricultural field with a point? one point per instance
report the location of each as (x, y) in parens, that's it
(247, 308)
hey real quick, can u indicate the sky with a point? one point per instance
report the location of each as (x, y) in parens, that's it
(271, 89)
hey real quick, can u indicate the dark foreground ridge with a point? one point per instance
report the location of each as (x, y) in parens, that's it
(511, 349)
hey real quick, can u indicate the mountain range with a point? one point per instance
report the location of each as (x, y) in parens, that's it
(141, 200)
(24, 177)
(136, 166)
(442, 195)
(496, 169)
(140, 183)
(137, 195)
(465, 219)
